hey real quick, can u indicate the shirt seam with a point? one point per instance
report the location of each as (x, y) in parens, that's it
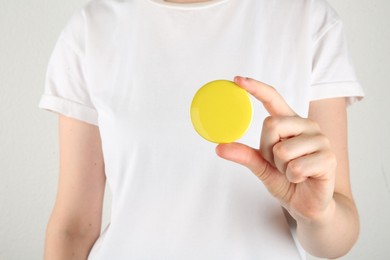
(334, 82)
(187, 7)
(328, 28)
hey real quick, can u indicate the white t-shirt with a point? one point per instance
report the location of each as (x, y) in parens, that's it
(132, 67)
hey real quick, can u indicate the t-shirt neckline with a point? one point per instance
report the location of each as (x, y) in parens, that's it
(188, 6)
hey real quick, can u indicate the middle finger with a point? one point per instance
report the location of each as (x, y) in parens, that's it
(277, 129)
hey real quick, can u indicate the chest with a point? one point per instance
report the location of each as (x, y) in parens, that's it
(144, 73)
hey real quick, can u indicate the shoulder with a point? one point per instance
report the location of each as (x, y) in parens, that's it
(95, 17)
(322, 10)
(318, 15)
(107, 8)
(314, 9)
(100, 10)
(323, 18)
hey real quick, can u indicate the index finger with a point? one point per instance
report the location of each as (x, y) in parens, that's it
(273, 102)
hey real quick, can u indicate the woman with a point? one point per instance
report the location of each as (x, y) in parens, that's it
(122, 76)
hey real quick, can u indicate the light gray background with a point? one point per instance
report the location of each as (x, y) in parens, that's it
(28, 136)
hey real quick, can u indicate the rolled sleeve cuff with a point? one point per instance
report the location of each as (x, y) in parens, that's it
(351, 90)
(69, 108)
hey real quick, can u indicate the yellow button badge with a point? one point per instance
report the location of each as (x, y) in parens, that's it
(221, 111)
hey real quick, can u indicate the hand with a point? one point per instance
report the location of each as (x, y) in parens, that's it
(294, 161)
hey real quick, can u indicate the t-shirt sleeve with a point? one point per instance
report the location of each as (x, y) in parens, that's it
(66, 91)
(333, 74)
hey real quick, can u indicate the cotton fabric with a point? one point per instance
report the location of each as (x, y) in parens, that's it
(131, 67)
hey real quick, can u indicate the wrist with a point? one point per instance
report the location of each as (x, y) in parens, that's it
(317, 219)
(332, 233)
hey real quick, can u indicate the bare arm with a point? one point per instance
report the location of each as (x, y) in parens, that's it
(75, 221)
(340, 230)
(304, 164)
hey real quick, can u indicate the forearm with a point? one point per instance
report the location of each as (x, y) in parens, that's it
(333, 236)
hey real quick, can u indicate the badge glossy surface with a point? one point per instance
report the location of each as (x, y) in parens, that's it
(221, 111)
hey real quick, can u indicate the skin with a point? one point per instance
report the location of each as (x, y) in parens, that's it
(186, 1)
(302, 161)
(304, 164)
(75, 222)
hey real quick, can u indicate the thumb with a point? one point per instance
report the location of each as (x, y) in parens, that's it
(248, 157)
(276, 182)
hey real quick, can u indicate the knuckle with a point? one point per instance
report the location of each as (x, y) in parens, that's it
(313, 124)
(295, 171)
(281, 151)
(271, 123)
(261, 173)
(273, 90)
(272, 94)
(322, 140)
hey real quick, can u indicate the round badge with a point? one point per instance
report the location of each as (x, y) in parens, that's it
(221, 111)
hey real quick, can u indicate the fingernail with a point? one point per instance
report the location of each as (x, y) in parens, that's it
(240, 78)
